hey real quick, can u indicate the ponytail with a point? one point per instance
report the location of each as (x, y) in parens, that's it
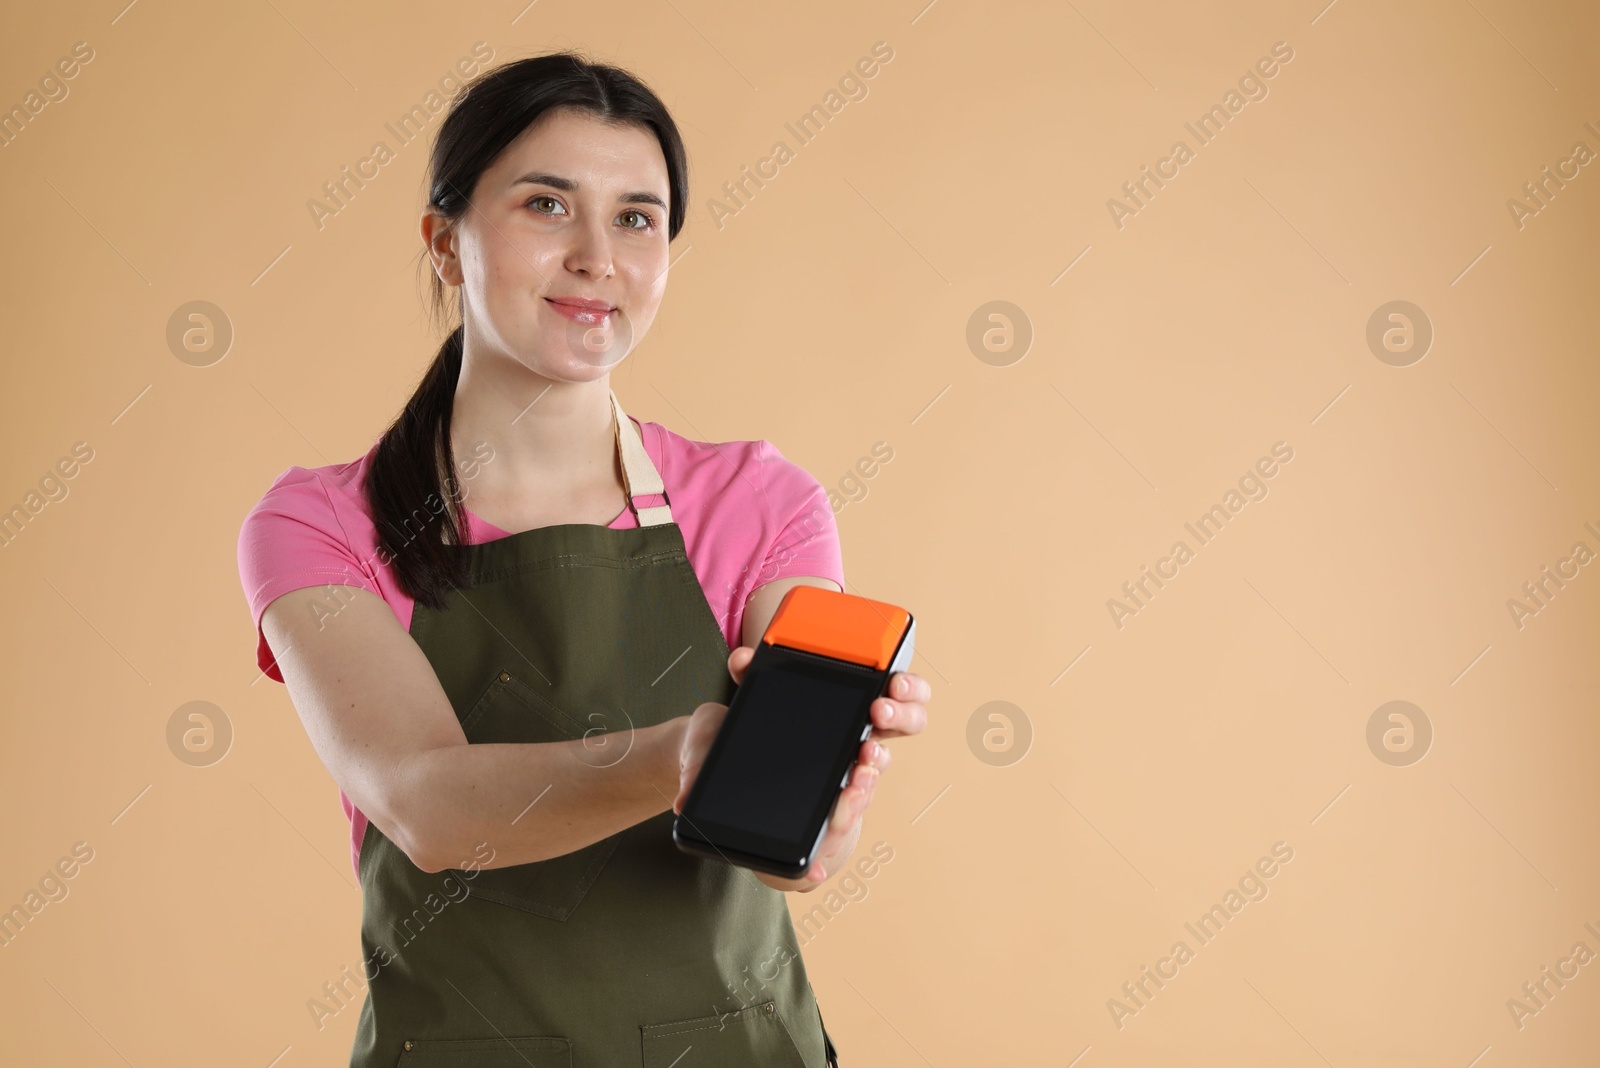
(412, 490)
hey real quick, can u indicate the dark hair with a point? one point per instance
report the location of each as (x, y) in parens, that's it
(411, 488)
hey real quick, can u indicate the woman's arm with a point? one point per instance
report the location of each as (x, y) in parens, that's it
(377, 716)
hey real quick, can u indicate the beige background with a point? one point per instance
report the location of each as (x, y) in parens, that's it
(830, 314)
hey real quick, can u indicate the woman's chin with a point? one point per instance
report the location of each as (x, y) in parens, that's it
(600, 346)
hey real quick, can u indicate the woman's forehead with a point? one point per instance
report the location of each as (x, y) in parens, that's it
(591, 153)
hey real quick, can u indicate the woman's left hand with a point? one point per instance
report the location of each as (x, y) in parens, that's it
(898, 715)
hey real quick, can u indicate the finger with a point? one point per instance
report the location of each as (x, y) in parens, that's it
(908, 686)
(874, 754)
(687, 774)
(847, 812)
(850, 805)
(895, 719)
(739, 662)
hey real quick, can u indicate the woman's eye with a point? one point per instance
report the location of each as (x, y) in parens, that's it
(646, 221)
(535, 201)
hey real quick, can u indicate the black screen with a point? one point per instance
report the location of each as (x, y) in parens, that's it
(780, 751)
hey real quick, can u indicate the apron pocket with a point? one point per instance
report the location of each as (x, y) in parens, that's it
(511, 710)
(550, 888)
(752, 1036)
(487, 1053)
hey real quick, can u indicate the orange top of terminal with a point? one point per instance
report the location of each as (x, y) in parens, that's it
(840, 625)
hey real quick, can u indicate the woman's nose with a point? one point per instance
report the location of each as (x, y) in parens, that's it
(591, 250)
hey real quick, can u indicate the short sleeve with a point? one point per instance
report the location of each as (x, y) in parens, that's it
(292, 539)
(807, 536)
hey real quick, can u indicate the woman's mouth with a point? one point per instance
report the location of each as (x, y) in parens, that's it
(589, 312)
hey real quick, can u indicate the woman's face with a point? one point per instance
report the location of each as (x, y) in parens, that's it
(573, 211)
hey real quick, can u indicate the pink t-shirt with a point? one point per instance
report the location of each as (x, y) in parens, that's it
(748, 516)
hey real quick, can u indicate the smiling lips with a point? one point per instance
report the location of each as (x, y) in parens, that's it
(592, 312)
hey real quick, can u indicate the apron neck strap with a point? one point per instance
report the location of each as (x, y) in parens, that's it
(639, 475)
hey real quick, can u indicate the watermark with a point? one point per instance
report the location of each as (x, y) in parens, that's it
(1537, 995)
(853, 484)
(999, 733)
(777, 960)
(852, 88)
(1252, 88)
(339, 191)
(52, 889)
(1541, 591)
(1399, 733)
(52, 89)
(853, 884)
(780, 957)
(1542, 190)
(414, 524)
(344, 990)
(1399, 333)
(199, 733)
(598, 746)
(1252, 886)
(999, 333)
(53, 489)
(600, 344)
(338, 595)
(1252, 487)
(199, 333)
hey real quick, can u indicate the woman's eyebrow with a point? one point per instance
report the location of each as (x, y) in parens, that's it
(567, 185)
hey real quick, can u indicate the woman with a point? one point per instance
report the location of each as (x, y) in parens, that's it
(514, 698)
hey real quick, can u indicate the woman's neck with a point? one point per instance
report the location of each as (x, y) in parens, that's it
(532, 451)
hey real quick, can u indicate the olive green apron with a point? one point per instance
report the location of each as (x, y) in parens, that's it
(627, 951)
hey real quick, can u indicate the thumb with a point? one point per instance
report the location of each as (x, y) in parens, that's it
(686, 774)
(739, 662)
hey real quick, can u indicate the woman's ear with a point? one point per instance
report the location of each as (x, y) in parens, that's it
(439, 234)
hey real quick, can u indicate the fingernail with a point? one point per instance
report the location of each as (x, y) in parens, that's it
(888, 714)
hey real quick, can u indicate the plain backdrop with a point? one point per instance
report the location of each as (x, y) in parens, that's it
(1143, 762)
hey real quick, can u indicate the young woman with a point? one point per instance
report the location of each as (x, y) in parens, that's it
(514, 698)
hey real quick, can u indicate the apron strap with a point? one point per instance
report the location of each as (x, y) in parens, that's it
(639, 475)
